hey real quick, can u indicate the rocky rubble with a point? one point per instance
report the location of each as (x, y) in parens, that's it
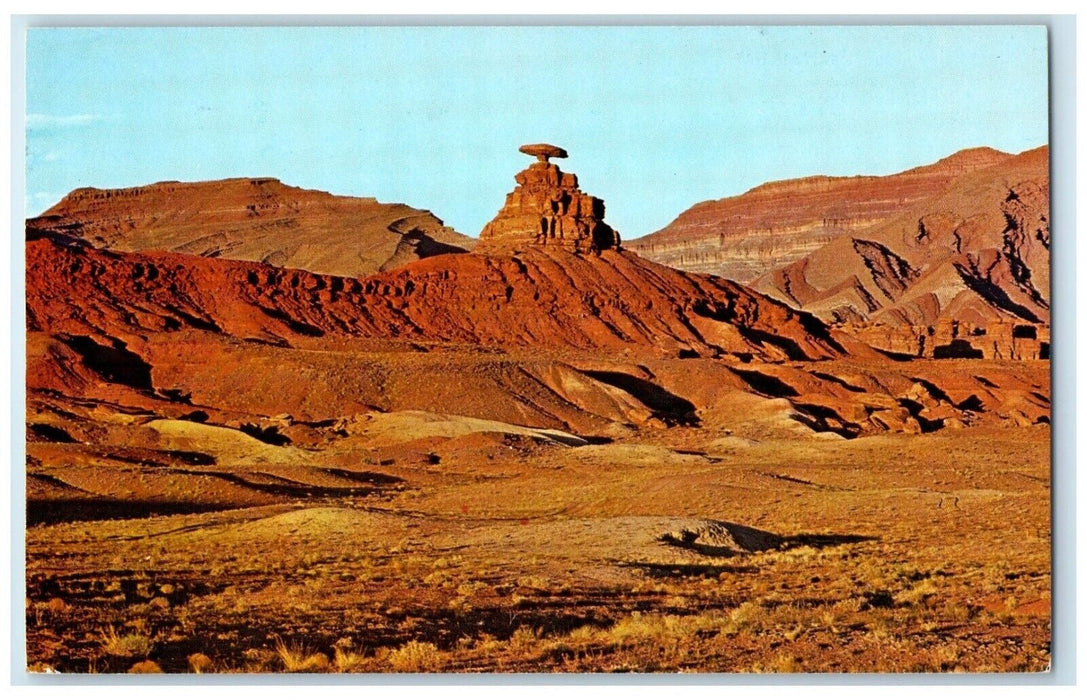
(948, 339)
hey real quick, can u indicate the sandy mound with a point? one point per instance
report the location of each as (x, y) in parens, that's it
(228, 446)
(720, 538)
(387, 429)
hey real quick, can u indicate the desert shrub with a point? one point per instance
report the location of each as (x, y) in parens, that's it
(742, 617)
(785, 663)
(414, 657)
(200, 663)
(849, 605)
(125, 645)
(524, 638)
(470, 587)
(459, 604)
(881, 629)
(145, 667)
(583, 634)
(57, 606)
(918, 594)
(345, 660)
(436, 578)
(344, 657)
(637, 626)
(534, 583)
(487, 643)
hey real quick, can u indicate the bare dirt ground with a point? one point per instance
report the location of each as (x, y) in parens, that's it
(409, 541)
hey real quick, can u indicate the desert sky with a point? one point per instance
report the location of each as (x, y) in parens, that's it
(655, 118)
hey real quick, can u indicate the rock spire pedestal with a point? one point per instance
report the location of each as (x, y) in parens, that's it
(547, 209)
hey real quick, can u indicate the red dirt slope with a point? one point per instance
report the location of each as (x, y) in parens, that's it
(545, 299)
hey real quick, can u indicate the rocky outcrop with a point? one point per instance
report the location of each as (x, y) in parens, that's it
(254, 219)
(949, 339)
(547, 208)
(779, 223)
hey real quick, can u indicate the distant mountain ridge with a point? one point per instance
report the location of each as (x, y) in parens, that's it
(976, 253)
(951, 255)
(779, 222)
(254, 219)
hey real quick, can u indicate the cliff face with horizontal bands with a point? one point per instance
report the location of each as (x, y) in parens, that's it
(778, 223)
(965, 272)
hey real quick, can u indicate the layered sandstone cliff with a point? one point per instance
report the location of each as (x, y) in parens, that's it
(778, 223)
(255, 219)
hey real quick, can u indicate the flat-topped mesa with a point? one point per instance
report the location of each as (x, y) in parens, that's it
(547, 208)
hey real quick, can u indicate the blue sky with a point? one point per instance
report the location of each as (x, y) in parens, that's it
(655, 118)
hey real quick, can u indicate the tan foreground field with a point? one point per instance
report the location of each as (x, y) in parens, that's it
(441, 544)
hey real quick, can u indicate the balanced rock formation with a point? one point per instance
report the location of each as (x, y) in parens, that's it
(548, 208)
(254, 219)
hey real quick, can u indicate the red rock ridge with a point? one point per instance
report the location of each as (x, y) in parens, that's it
(547, 299)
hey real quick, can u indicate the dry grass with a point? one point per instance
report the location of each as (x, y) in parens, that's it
(297, 658)
(344, 660)
(415, 657)
(941, 589)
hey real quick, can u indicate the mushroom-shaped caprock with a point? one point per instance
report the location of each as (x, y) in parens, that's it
(543, 151)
